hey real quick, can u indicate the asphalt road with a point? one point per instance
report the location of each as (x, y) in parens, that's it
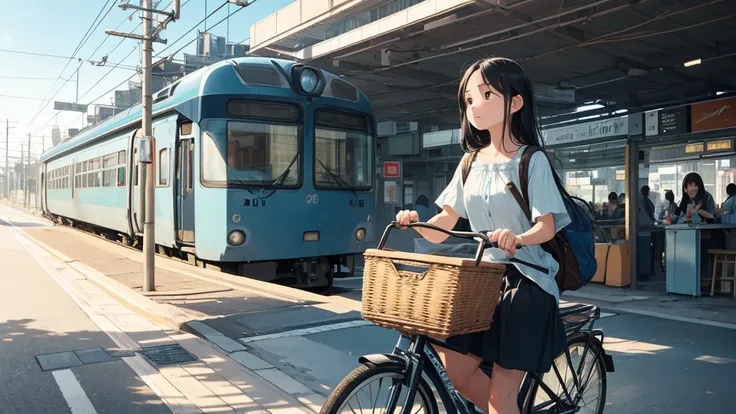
(662, 366)
(38, 318)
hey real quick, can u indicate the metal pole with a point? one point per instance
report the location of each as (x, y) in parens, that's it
(149, 241)
(632, 184)
(7, 163)
(27, 194)
(22, 168)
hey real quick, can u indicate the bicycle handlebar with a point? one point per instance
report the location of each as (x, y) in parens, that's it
(482, 245)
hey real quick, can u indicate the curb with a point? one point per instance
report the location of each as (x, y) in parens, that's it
(169, 315)
(173, 317)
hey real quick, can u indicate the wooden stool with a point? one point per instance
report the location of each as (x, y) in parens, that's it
(728, 257)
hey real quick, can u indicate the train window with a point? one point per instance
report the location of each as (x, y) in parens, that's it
(343, 90)
(108, 178)
(264, 110)
(190, 170)
(163, 167)
(185, 129)
(84, 166)
(98, 178)
(259, 75)
(121, 176)
(109, 160)
(121, 158)
(260, 153)
(343, 146)
(334, 119)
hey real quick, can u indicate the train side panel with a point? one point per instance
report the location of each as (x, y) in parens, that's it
(89, 185)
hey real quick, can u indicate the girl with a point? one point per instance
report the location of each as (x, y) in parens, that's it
(697, 205)
(498, 119)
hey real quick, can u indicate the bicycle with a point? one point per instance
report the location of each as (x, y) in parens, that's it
(414, 365)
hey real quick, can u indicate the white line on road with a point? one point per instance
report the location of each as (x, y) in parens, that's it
(306, 331)
(73, 393)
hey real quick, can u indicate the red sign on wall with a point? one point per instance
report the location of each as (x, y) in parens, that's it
(391, 169)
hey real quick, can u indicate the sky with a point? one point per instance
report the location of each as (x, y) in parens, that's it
(57, 27)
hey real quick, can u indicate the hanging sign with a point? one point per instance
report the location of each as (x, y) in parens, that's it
(577, 133)
(391, 169)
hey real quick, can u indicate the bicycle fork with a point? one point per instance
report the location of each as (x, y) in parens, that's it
(407, 349)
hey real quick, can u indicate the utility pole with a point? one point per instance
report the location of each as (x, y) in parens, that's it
(7, 163)
(146, 145)
(22, 170)
(27, 194)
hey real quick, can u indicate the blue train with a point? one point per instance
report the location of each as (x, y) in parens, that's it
(263, 168)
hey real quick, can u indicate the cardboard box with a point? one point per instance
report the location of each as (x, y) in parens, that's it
(601, 257)
(618, 269)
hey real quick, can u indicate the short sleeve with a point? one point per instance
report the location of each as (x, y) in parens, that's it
(452, 195)
(544, 196)
(710, 205)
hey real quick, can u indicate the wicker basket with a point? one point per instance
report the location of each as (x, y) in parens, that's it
(429, 295)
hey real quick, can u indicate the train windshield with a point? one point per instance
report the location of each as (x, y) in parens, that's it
(343, 151)
(259, 153)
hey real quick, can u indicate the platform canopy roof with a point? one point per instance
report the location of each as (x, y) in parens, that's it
(622, 54)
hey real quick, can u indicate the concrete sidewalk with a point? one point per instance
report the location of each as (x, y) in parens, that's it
(218, 307)
(652, 300)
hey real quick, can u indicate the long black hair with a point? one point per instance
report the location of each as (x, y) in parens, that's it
(508, 78)
(691, 178)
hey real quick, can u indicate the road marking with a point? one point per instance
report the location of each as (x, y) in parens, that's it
(170, 396)
(73, 393)
(306, 331)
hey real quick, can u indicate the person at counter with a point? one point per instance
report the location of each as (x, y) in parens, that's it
(728, 213)
(697, 206)
(658, 237)
(668, 206)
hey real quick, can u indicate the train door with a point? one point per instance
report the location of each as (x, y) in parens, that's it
(184, 185)
(42, 187)
(136, 186)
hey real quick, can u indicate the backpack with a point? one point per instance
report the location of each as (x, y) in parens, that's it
(573, 247)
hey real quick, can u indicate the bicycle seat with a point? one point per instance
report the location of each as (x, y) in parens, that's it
(577, 313)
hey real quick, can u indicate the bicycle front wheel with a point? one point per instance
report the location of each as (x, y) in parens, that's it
(368, 387)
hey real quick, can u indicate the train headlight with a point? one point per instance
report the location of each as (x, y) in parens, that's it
(308, 80)
(236, 238)
(360, 234)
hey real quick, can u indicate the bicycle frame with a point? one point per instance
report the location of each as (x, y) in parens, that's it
(418, 357)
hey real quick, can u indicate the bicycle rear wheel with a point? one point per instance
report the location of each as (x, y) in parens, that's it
(367, 387)
(591, 372)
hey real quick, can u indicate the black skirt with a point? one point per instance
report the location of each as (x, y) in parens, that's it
(526, 332)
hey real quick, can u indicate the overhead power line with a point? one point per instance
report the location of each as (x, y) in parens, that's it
(197, 25)
(76, 50)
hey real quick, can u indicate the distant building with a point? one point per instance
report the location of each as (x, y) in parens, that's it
(55, 135)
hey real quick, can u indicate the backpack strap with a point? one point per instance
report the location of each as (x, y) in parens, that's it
(523, 196)
(467, 162)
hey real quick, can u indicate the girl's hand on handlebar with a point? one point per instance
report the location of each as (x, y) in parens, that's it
(407, 217)
(506, 240)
